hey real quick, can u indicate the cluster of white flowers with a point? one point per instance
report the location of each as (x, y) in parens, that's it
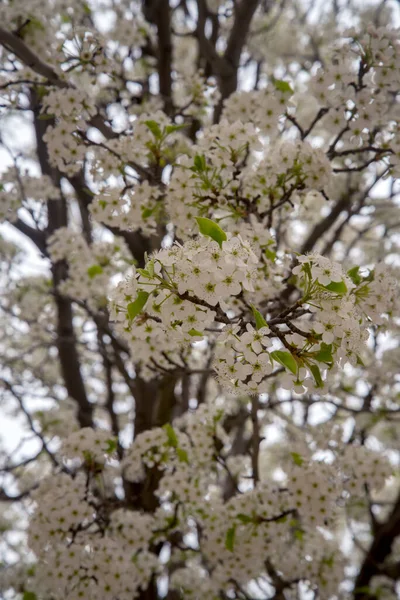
(22, 190)
(90, 445)
(264, 108)
(179, 294)
(65, 147)
(67, 530)
(224, 175)
(137, 208)
(91, 267)
(195, 290)
(72, 105)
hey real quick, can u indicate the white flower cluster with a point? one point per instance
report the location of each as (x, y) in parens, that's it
(182, 289)
(72, 105)
(205, 288)
(226, 175)
(62, 506)
(263, 108)
(88, 445)
(80, 552)
(22, 190)
(137, 208)
(65, 148)
(91, 267)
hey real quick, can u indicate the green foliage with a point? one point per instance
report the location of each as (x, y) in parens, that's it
(324, 355)
(230, 538)
(282, 86)
(354, 275)
(154, 128)
(338, 287)
(317, 375)
(285, 359)
(297, 458)
(94, 270)
(211, 229)
(259, 319)
(171, 435)
(200, 163)
(136, 307)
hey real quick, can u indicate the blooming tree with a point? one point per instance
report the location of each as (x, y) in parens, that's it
(199, 311)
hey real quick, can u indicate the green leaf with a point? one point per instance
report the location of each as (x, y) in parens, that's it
(182, 455)
(45, 117)
(299, 534)
(200, 163)
(112, 445)
(136, 307)
(172, 128)
(282, 86)
(297, 458)
(29, 596)
(147, 212)
(211, 229)
(87, 9)
(285, 359)
(150, 267)
(338, 287)
(324, 354)
(270, 254)
(355, 275)
(317, 375)
(94, 270)
(359, 361)
(259, 319)
(195, 332)
(230, 538)
(154, 128)
(245, 518)
(144, 273)
(171, 435)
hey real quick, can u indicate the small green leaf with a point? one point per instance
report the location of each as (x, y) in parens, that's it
(29, 596)
(112, 445)
(211, 229)
(360, 362)
(245, 518)
(355, 275)
(259, 319)
(45, 117)
(147, 212)
(230, 538)
(297, 458)
(94, 270)
(270, 254)
(150, 267)
(324, 354)
(285, 359)
(136, 307)
(317, 375)
(154, 128)
(338, 287)
(182, 455)
(172, 128)
(171, 435)
(144, 273)
(200, 163)
(282, 86)
(299, 534)
(195, 332)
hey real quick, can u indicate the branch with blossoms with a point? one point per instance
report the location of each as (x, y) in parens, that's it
(205, 349)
